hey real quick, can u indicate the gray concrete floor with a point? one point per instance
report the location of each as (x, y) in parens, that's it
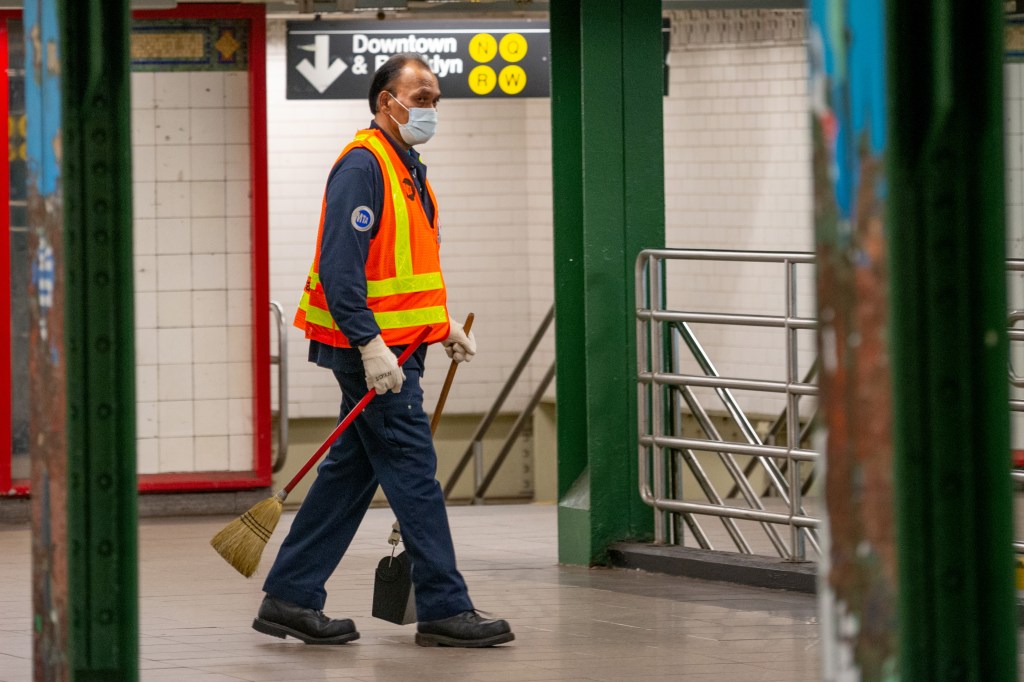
(571, 623)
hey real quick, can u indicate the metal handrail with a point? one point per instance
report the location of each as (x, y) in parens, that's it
(691, 461)
(281, 360)
(667, 379)
(780, 421)
(1017, 381)
(652, 374)
(476, 440)
(1016, 335)
(677, 443)
(513, 434)
(652, 314)
(776, 428)
(731, 466)
(739, 319)
(776, 478)
(1016, 265)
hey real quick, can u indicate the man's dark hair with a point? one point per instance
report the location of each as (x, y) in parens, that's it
(387, 73)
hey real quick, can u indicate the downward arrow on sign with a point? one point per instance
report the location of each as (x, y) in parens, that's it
(319, 74)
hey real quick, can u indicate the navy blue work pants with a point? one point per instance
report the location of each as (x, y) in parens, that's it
(390, 444)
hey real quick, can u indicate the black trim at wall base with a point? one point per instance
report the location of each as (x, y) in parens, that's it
(744, 569)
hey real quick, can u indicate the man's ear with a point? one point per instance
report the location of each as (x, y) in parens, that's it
(382, 99)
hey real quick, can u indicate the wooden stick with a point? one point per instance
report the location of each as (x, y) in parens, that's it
(436, 418)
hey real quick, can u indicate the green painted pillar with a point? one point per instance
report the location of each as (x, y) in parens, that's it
(99, 331)
(949, 345)
(607, 134)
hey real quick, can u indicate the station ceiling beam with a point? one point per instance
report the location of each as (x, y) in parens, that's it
(427, 8)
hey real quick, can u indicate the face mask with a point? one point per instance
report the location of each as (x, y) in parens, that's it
(421, 126)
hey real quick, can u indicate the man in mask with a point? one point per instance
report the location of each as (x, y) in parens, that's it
(374, 284)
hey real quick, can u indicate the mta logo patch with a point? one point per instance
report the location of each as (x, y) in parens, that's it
(362, 218)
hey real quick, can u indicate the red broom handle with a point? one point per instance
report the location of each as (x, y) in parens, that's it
(351, 416)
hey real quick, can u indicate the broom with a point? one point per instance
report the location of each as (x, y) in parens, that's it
(242, 541)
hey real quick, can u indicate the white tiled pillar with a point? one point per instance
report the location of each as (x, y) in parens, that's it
(193, 272)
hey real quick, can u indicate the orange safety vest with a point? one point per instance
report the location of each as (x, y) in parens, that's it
(404, 286)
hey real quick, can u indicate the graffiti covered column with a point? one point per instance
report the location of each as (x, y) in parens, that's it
(47, 353)
(858, 568)
(920, 215)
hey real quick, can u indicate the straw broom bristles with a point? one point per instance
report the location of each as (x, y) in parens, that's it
(242, 541)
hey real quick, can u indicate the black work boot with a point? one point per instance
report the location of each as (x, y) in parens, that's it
(467, 629)
(281, 618)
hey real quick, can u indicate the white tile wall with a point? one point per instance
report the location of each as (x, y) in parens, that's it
(194, 340)
(240, 452)
(486, 227)
(214, 453)
(147, 455)
(539, 223)
(737, 176)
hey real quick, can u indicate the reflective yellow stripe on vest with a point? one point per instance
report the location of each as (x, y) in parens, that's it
(386, 320)
(405, 281)
(404, 285)
(411, 318)
(315, 315)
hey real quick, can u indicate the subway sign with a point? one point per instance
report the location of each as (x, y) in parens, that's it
(472, 59)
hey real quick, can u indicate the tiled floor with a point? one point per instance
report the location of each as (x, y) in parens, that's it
(571, 623)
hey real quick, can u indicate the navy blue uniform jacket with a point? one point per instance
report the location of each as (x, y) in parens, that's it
(356, 182)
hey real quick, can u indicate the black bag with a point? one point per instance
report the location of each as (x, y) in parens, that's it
(393, 597)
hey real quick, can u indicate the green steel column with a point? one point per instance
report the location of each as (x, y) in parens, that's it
(946, 209)
(607, 84)
(571, 360)
(102, 524)
(643, 92)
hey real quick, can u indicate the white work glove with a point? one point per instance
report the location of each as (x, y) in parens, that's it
(381, 367)
(459, 346)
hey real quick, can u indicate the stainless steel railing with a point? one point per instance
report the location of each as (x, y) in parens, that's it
(658, 445)
(280, 359)
(777, 482)
(661, 380)
(1016, 335)
(474, 450)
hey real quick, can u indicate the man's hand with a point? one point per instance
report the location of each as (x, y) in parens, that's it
(460, 346)
(381, 367)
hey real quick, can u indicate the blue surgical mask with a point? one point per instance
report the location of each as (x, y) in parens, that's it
(421, 126)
